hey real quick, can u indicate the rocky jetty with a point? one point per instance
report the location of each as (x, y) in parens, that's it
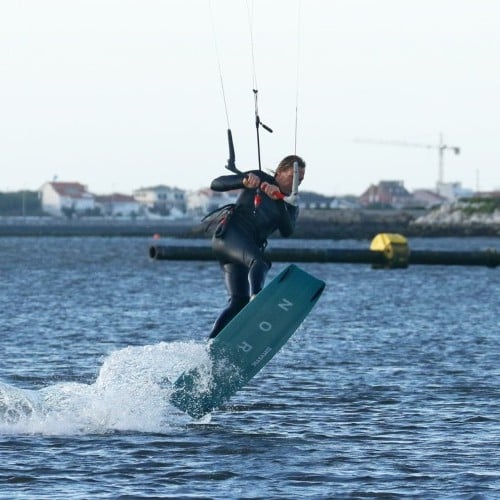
(476, 217)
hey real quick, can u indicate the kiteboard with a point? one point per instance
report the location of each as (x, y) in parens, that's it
(248, 342)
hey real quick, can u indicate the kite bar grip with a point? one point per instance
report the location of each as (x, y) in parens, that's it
(231, 162)
(269, 129)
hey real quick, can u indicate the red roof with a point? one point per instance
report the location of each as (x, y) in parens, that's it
(70, 189)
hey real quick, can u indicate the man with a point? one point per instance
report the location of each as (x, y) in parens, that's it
(241, 234)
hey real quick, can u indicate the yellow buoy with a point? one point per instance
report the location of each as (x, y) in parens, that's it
(394, 247)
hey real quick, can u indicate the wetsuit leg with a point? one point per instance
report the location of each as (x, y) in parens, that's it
(257, 275)
(236, 281)
(237, 246)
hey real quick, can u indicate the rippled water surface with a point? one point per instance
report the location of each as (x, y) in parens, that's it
(390, 388)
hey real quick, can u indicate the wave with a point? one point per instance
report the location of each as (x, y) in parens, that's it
(131, 393)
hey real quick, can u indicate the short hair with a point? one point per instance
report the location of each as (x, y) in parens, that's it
(288, 162)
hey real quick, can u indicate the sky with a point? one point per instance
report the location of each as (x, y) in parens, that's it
(124, 94)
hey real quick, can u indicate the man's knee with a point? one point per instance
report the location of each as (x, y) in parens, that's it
(238, 302)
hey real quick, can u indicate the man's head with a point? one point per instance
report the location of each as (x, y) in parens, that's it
(284, 172)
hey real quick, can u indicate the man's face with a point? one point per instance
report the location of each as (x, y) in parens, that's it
(284, 178)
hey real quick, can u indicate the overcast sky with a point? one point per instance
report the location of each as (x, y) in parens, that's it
(123, 94)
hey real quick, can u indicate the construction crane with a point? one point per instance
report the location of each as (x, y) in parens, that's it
(441, 147)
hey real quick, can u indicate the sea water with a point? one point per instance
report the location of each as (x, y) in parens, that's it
(389, 389)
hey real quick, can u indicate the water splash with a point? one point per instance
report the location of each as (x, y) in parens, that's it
(131, 392)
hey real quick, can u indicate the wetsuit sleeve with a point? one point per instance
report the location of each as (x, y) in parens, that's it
(227, 182)
(287, 219)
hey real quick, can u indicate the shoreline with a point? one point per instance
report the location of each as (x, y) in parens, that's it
(312, 224)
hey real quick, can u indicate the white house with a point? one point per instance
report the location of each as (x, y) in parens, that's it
(427, 198)
(453, 190)
(66, 198)
(117, 204)
(161, 199)
(204, 201)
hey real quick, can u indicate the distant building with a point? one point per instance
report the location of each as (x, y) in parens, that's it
(162, 200)
(204, 201)
(343, 203)
(118, 205)
(487, 194)
(315, 201)
(427, 198)
(66, 199)
(453, 190)
(386, 194)
(311, 200)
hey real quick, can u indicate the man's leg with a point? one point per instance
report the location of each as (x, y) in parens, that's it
(236, 281)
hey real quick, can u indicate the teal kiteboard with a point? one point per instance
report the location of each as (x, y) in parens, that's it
(248, 342)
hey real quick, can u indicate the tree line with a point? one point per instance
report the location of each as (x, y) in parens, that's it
(20, 203)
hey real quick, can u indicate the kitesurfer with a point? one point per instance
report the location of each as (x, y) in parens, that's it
(242, 230)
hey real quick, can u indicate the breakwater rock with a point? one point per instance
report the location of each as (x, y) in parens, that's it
(467, 218)
(365, 224)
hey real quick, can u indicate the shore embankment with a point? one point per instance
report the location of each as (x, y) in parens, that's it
(365, 224)
(312, 224)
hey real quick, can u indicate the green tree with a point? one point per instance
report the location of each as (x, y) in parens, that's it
(20, 203)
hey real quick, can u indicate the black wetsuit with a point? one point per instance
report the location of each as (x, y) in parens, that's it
(241, 237)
